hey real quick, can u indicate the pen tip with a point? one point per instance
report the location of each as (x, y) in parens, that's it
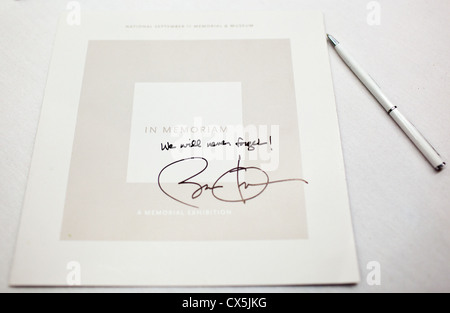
(333, 40)
(441, 167)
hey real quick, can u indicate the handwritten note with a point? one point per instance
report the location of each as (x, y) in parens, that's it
(246, 190)
(197, 143)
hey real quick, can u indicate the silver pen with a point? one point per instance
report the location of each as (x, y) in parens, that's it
(414, 135)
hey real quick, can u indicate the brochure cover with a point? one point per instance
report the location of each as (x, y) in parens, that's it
(188, 149)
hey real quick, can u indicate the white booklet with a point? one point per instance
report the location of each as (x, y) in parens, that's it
(188, 149)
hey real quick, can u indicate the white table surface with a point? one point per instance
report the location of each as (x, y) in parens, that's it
(400, 205)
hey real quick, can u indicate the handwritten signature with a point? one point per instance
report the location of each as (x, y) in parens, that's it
(246, 191)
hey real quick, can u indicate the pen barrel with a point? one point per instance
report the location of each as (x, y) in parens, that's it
(365, 78)
(413, 134)
(418, 139)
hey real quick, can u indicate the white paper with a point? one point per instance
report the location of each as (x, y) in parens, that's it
(91, 217)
